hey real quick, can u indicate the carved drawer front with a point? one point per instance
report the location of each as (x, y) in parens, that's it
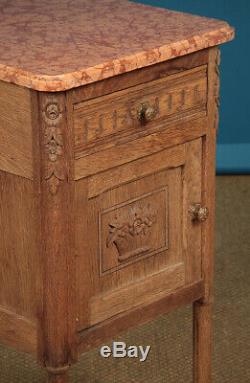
(140, 109)
(135, 237)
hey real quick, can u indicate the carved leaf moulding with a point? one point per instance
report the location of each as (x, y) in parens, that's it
(53, 145)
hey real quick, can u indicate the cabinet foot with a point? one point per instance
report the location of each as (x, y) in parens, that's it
(58, 375)
(202, 322)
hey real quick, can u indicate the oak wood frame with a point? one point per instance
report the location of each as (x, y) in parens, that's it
(54, 340)
(202, 309)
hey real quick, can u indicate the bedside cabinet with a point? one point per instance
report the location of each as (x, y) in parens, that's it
(108, 118)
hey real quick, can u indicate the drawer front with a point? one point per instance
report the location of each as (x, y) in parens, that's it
(141, 242)
(139, 109)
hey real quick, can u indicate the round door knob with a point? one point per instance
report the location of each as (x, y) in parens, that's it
(146, 112)
(198, 213)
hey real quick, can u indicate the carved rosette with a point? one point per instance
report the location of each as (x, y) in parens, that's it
(53, 144)
(217, 89)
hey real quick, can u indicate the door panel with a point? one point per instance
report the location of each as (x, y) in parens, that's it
(135, 240)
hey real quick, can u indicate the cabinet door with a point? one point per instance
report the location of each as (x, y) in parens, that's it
(135, 238)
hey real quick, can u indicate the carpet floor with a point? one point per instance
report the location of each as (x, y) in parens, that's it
(170, 338)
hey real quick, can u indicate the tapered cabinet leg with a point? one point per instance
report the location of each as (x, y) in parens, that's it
(202, 327)
(58, 378)
(202, 310)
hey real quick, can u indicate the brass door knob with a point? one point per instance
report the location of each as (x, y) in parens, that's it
(146, 112)
(198, 213)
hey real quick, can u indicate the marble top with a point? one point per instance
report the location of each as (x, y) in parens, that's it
(54, 45)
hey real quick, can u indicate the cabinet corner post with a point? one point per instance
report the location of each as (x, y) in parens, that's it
(203, 309)
(55, 187)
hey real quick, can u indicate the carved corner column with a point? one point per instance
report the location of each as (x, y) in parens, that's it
(203, 310)
(56, 188)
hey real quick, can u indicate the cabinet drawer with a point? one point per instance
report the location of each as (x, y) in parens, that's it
(140, 109)
(141, 241)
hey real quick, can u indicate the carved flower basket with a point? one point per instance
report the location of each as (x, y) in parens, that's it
(130, 238)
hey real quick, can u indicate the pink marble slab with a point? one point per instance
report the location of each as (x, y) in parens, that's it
(54, 45)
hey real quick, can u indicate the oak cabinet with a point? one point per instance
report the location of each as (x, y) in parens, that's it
(107, 164)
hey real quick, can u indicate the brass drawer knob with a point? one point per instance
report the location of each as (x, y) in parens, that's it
(199, 213)
(146, 112)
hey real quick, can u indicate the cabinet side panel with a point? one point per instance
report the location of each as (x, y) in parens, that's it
(15, 130)
(18, 257)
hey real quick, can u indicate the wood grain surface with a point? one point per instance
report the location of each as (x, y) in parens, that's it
(15, 130)
(19, 265)
(18, 332)
(203, 328)
(96, 335)
(116, 115)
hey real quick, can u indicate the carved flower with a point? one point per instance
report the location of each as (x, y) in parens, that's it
(52, 111)
(53, 142)
(140, 222)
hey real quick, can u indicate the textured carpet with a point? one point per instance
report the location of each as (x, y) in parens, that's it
(169, 360)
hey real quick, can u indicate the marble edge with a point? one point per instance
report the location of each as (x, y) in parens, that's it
(66, 81)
